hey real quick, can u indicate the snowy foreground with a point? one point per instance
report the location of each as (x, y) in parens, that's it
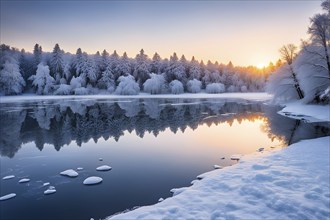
(289, 184)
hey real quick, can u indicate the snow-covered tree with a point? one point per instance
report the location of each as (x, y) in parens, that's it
(195, 71)
(127, 86)
(107, 80)
(37, 56)
(11, 80)
(215, 88)
(154, 85)
(124, 66)
(42, 81)
(56, 63)
(176, 87)
(141, 68)
(156, 64)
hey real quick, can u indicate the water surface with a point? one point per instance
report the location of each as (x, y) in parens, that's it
(153, 145)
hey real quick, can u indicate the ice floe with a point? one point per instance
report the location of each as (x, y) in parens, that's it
(80, 168)
(25, 180)
(92, 180)
(103, 168)
(46, 184)
(8, 177)
(8, 196)
(236, 157)
(69, 173)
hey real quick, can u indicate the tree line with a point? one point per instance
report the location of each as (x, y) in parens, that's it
(61, 73)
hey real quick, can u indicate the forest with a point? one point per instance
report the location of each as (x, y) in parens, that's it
(301, 73)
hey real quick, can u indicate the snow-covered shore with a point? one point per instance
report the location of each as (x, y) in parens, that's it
(300, 110)
(292, 183)
(247, 96)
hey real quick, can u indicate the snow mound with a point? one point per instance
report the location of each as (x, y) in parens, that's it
(24, 180)
(8, 177)
(92, 180)
(103, 168)
(69, 173)
(8, 196)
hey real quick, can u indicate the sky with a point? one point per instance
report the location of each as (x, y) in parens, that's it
(244, 32)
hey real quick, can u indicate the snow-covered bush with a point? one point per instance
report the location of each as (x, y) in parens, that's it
(81, 91)
(194, 86)
(127, 86)
(154, 85)
(75, 82)
(215, 88)
(42, 81)
(176, 87)
(232, 88)
(63, 90)
(244, 89)
(11, 80)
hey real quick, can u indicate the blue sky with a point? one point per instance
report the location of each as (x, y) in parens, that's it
(245, 32)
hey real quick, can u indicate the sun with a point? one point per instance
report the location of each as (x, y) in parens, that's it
(260, 66)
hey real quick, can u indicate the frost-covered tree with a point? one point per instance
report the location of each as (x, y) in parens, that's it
(42, 81)
(156, 64)
(194, 86)
(176, 87)
(141, 68)
(124, 66)
(175, 70)
(37, 56)
(56, 63)
(11, 80)
(195, 71)
(127, 86)
(288, 53)
(154, 85)
(107, 80)
(215, 88)
(320, 35)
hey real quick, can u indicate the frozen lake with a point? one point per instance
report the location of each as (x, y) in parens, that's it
(151, 145)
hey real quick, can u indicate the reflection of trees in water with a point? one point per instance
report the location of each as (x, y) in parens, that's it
(291, 130)
(60, 122)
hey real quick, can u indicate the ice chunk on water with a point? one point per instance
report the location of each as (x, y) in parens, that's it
(103, 168)
(217, 167)
(8, 177)
(8, 196)
(92, 180)
(46, 184)
(50, 190)
(160, 199)
(25, 180)
(261, 149)
(69, 173)
(80, 168)
(100, 159)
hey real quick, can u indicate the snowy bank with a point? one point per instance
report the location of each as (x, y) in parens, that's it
(248, 96)
(311, 113)
(289, 184)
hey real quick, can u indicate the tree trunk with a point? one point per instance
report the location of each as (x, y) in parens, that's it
(327, 59)
(296, 84)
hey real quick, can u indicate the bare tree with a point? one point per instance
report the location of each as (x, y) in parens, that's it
(288, 53)
(320, 33)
